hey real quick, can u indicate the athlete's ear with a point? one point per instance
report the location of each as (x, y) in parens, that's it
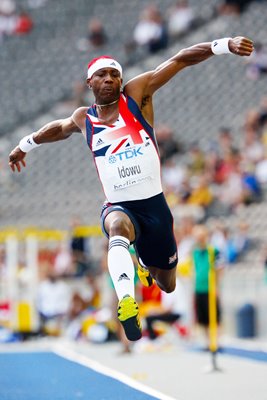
(88, 83)
(121, 85)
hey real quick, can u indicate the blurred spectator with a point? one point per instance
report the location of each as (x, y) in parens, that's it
(232, 191)
(172, 308)
(173, 176)
(205, 257)
(226, 165)
(63, 264)
(241, 238)
(196, 160)
(262, 120)
(217, 154)
(252, 148)
(96, 33)
(84, 306)
(252, 119)
(231, 245)
(7, 7)
(226, 144)
(53, 301)
(184, 210)
(221, 239)
(212, 164)
(24, 23)
(252, 187)
(8, 18)
(218, 235)
(233, 7)
(257, 62)
(80, 249)
(167, 142)
(36, 3)
(150, 31)
(96, 36)
(180, 18)
(11, 22)
(201, 193)
(261, 170)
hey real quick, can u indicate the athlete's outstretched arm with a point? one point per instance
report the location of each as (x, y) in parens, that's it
(146, 84)
(51, 132)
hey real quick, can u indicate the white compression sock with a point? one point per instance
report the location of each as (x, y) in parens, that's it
(121, 267)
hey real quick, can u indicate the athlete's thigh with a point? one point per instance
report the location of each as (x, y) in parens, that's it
(165, 278)
(157, 250)
(156, 246)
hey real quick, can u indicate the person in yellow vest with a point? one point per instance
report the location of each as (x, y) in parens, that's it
(204, 258)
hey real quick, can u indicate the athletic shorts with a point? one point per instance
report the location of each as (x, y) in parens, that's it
(202, 309)
(153, 223)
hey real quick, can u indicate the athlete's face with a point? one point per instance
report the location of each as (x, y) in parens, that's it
(106, 84)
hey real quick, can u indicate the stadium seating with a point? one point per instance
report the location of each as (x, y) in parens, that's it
(47, 60)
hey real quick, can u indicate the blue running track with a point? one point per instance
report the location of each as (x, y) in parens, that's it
(47, 376)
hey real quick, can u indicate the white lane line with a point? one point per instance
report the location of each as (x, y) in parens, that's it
(96, 366)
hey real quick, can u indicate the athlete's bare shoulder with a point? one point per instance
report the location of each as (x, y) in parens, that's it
(137, 87)
(79, 118)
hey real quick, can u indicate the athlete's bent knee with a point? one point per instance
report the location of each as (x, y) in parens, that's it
(169, 287)
(119, 227)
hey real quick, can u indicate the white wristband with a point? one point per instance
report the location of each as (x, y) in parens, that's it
(220, 46)
(27, 143)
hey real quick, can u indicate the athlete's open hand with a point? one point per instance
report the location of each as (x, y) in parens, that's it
(16, 159)
(241, 46)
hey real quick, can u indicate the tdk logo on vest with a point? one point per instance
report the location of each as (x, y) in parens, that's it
(125, 155)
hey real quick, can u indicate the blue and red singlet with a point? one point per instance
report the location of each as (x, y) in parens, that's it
(125, 153)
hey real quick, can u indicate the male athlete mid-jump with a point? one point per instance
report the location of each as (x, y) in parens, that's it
(119, 131)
